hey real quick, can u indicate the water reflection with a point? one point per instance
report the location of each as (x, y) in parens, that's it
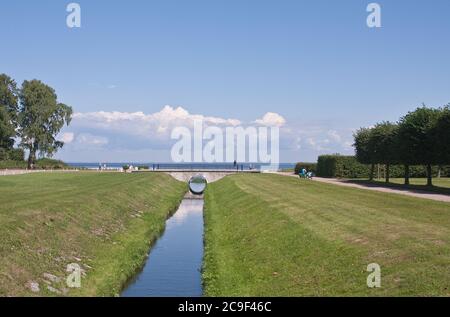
(173, 267)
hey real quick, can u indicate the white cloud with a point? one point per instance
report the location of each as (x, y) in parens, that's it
(126, 134)
(155, 125)
(271, 119)
(66, 137)
(334, 136)
(89, 139)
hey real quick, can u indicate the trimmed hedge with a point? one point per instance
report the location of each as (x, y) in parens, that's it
(339, 166)
(310, 167)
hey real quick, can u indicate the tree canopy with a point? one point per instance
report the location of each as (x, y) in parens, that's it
(421, 137)
(8, 111)
(33, 114)
(40, 118)
(418, 144)
(441, 135)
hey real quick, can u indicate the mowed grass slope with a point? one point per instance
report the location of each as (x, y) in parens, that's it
(270, 235)
(103, 222)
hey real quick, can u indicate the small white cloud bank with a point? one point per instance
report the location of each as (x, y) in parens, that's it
(271, 119)
(66, 137)
(122, 136)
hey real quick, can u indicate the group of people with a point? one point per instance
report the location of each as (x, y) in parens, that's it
(305, 174)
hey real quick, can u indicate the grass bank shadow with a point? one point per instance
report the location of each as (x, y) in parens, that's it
(407, 188)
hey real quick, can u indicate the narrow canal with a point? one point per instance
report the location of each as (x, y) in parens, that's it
(173, 267)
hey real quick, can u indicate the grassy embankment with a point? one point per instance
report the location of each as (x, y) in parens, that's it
(269, 235)
(103, 222)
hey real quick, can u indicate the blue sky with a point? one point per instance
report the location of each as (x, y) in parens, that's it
(315, 63)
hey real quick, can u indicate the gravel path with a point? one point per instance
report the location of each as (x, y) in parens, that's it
(22, 172)
(380, 188)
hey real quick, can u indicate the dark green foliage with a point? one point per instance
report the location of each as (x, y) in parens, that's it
(364, 152)
(16, 155)
(3, 154)
(41, 118)
(49, 164)
(6, 164)
(415, 171)
(33, 114)
(340, 166)
(417, 144)
(377, 145)
(12, 155)
(441, 133)
(310, 167)
(383, 141)
(364, 149)
(8, 111)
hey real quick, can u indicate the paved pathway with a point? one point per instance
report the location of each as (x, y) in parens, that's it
(380, 188)
(21, 172)
(16, 172)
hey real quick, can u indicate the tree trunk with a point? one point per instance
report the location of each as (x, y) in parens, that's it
(429, 176)
(388, 172)
(372, 171)
(32, 157)
(439, 171)
(406, 174)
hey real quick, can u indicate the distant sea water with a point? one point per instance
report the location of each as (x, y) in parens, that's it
(175, 166)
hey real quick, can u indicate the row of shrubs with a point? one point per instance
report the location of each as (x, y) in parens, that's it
(339, 166)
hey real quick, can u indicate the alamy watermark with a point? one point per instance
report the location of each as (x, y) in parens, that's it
(73, 280)
(214, 144)
(73, 19)
(374, 278)
(374, 17)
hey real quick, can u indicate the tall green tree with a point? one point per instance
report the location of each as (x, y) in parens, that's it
(383, 141)
(364, 149)
(8, 111)
(417, 142)
(441, 134)
(40, 118)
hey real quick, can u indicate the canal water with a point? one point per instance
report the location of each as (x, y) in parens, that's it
(173, 267)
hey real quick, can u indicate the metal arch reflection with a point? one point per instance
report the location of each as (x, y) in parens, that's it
(197, 184)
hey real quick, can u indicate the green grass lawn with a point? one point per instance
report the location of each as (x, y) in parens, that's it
(103, 222)
(269, 235)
